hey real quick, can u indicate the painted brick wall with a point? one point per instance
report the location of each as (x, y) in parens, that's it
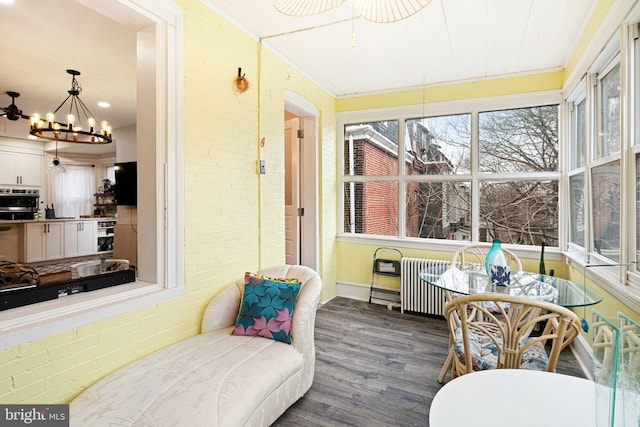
(234, 219)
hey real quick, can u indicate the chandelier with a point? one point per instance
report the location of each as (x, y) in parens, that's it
(72, 130)
(381, 11)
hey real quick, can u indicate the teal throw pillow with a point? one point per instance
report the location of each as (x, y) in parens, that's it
(267, 307)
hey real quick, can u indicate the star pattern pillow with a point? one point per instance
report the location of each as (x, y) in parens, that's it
(267, 307)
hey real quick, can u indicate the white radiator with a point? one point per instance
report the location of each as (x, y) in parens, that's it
(417, 295)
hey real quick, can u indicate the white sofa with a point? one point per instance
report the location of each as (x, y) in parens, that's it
(215, 378)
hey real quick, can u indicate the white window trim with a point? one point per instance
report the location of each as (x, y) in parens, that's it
(608, 279)
(402, 113)
(612, 45)
(39, 320)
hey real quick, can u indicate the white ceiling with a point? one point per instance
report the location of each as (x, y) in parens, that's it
(448, 41)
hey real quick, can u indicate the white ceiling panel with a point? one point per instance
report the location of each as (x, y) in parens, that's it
(449, 40)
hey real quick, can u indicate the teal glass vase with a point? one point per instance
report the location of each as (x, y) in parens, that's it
(491, 255)
(497, 267)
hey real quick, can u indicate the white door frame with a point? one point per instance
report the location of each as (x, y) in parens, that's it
(307, 112)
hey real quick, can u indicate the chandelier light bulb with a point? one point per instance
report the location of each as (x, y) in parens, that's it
(51, 118)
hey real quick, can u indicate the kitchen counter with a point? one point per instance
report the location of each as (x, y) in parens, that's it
(44, 220)
(38, 240)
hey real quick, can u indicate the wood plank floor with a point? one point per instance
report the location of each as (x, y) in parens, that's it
(376, 367)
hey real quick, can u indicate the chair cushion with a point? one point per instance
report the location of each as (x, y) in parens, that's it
(267, 307)
(492, 307)
(484, 352)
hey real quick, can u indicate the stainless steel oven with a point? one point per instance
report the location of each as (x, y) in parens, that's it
(18, 203)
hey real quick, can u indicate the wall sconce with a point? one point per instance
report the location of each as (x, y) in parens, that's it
(241, 84)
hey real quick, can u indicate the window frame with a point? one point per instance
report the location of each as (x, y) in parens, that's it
(623, 48)
(165, 265)
(407, 112)
(632, 134)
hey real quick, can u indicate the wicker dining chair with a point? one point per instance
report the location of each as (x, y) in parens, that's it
(499, 341)
(473, 257)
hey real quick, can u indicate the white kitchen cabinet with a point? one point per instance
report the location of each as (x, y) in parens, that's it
(44, 241)
(20, 169)
(80, 238)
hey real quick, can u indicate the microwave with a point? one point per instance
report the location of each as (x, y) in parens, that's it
(18, 203)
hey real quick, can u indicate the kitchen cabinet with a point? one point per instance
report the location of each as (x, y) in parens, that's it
(44, 241)
(20, 169)
(80, 238)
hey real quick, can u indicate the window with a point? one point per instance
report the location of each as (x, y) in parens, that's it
(73, 191)
(604, 166)
(372, 149)
(371, 207)
(438, 146)
(110, 173)
(577, 140)
(160, 271)
(609, 113)
(519, 140)
(508, 164)
(438, 210)
(605, 184)
(576, 209)
(522, 212)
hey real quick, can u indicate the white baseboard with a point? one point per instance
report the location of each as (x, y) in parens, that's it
(360, 292)
(581, 350)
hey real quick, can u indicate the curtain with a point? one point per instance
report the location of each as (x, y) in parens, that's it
(72, 193)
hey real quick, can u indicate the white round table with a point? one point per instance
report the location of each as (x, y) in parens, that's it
(515, 397)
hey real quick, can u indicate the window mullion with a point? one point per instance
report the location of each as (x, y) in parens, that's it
(475, 183)
(401, 180)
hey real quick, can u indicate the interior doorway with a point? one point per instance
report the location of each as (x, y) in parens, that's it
(301, 184)
(292, 189)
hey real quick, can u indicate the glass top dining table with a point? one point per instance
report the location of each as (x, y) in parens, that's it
(534, 285)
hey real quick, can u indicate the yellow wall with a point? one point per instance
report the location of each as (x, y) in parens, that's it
(590, 29)
(234, 218)
(360, 262)
(537, 82)
(609, 307)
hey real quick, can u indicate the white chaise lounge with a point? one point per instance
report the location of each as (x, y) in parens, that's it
(215, 378)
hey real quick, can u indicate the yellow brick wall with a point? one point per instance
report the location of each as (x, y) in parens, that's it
(234, 218)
